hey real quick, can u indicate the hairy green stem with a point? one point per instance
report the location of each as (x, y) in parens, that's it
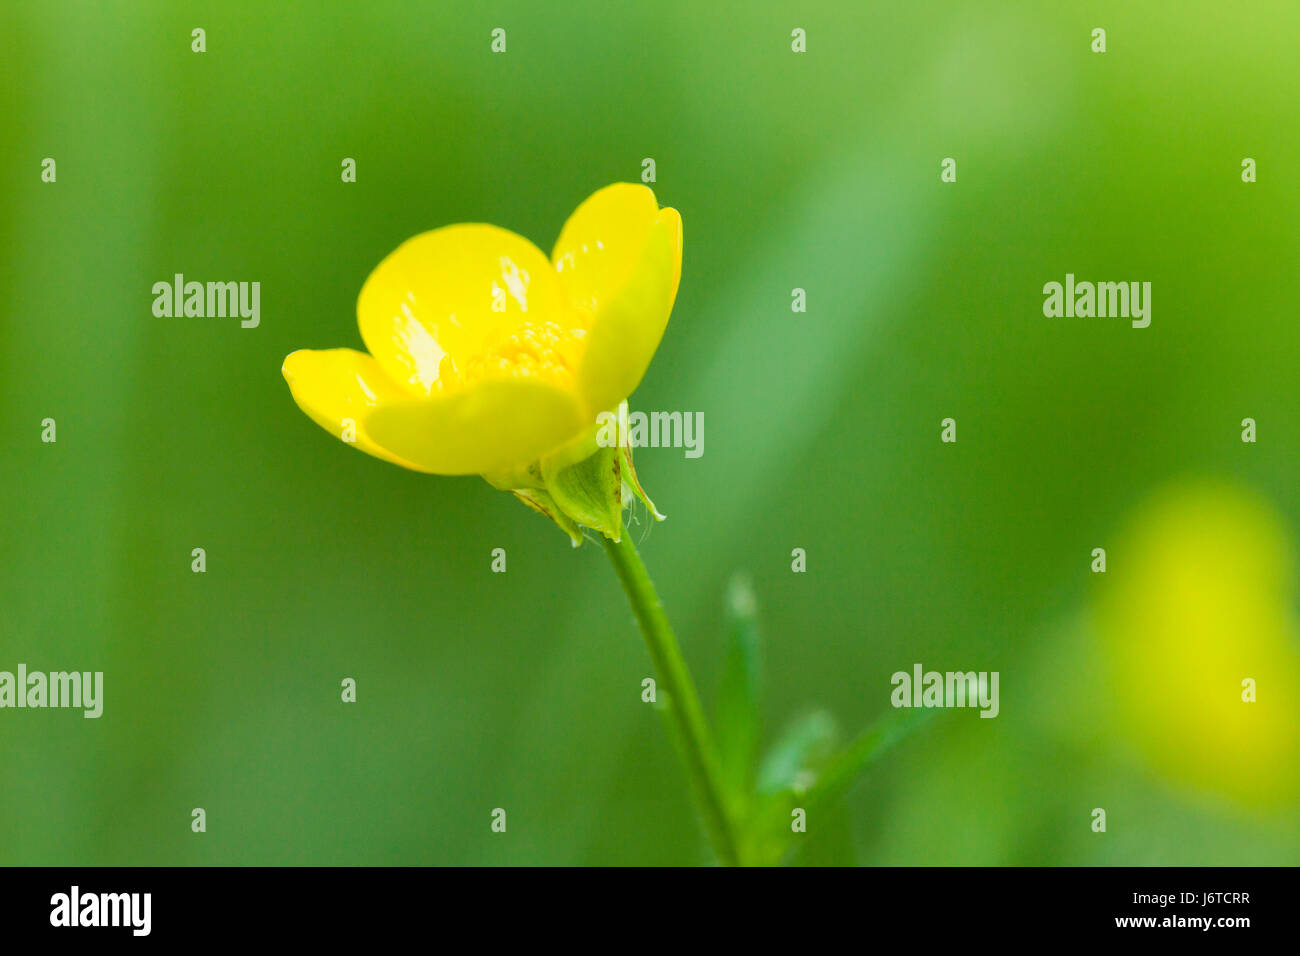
(683, 703)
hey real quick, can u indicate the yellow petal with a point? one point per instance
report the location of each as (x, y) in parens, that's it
(445, 299)
(619, 258)
(487, 428)
(337, 388)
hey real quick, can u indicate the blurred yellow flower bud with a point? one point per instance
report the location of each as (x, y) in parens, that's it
(1199, 630)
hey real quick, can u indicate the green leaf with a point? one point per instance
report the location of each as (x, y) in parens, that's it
(804, 745)
(840, 772)
(787, 770)
(768, 835)
(738, 709)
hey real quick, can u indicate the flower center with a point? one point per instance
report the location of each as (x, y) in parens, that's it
(541, 350)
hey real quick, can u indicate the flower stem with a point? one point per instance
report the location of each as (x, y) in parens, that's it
(683, 703)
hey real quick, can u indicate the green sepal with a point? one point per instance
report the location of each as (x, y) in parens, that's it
(589, 492)
(585, 483)
(543, 503)
(634, 485)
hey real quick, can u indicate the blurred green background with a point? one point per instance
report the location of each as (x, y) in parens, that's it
(522, 691)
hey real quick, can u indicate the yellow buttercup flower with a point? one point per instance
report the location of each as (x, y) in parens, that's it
(485, 357)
